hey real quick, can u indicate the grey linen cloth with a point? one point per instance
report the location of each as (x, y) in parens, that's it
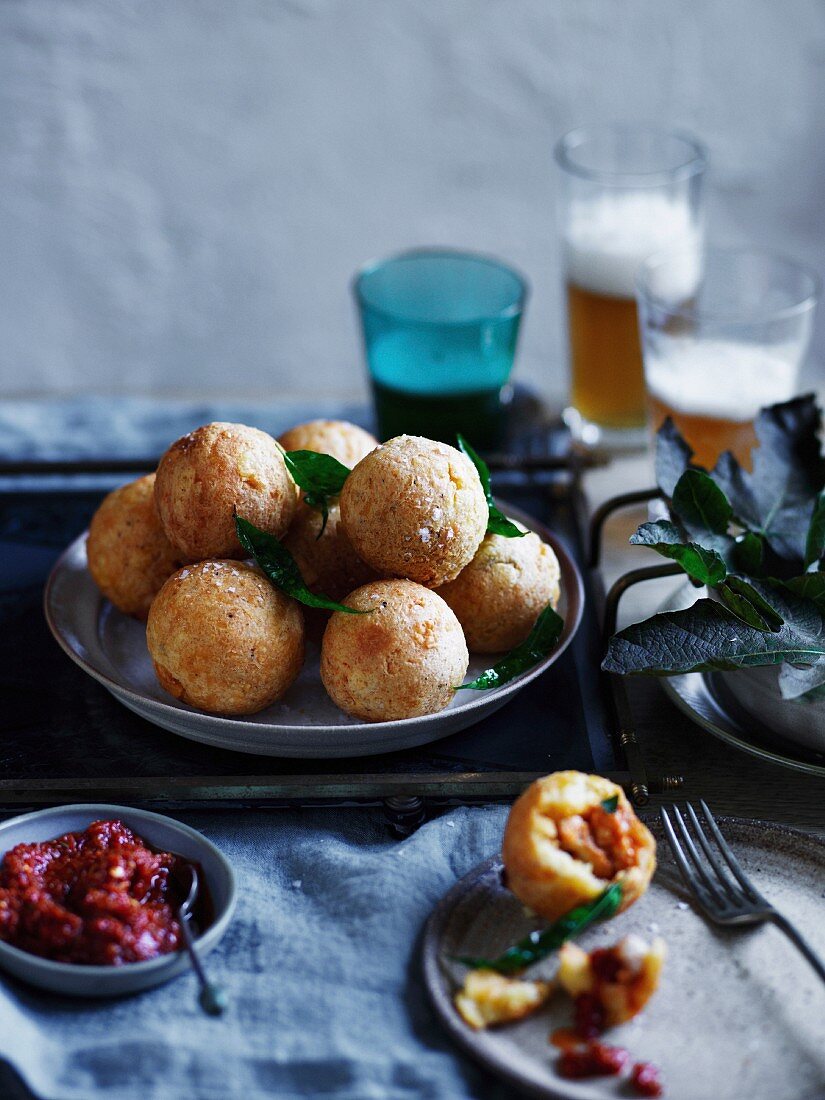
(321, 964)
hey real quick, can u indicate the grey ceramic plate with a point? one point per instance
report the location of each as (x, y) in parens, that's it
(706, 698)
(738, 1013)
(159, 831)
(111, 647)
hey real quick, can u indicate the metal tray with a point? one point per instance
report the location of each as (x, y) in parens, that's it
(65, 739)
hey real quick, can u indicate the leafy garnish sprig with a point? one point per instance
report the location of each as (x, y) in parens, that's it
(538, 945)
(320, 476)
(497, 522)
(538, 643)
(757, 539)
(281, 568)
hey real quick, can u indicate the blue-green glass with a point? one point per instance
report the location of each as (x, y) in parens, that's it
(440, 333)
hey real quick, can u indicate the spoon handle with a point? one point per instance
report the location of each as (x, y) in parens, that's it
(212, 997)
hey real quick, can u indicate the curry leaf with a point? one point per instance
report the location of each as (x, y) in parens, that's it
(538, 945)
(281, 568)
(320, 476)
(497, 522)
(705, 566)
(540, 641)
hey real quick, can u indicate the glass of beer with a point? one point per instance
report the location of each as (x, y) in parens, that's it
(716, 353)
(626, 192)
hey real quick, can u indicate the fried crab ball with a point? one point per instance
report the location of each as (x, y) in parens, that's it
(500, 594)
(403, 659)
(328, 563)
(617, 981)
(127, 549)
(223, 639)
(208, 475)
(415, 508)
(488, 998)
(568, 837)
(344, 441)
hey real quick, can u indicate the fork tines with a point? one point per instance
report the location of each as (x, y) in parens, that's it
(711, 871)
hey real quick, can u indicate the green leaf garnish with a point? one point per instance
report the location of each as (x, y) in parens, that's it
(609, 805)
(815, 540)
(538, 945)
(281, 568)
(700, 504)
(538, 643)
(497, 522)
(320, 476)
(705, 565)
(758, 540)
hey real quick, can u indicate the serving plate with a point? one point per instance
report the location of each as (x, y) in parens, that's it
(161, 832)
(111, 647)
(738, 1012)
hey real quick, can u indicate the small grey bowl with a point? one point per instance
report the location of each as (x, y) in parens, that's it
(159, 831)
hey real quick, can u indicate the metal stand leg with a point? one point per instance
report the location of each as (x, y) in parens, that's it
(404, 814)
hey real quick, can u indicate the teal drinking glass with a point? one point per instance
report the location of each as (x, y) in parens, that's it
(440, 332)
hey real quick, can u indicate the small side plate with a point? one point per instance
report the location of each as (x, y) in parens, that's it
(737, 1013)
(161, 832)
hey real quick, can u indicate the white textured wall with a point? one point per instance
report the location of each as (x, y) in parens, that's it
(187, 185)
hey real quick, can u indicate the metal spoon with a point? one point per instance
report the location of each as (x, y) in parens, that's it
(212, 997)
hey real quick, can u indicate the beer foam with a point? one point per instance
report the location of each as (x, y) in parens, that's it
(608, 238)
(720, 378)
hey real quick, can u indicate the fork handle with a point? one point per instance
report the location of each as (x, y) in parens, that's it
(782, 922)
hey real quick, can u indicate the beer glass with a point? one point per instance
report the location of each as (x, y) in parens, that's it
(715, 355)
(626, 192)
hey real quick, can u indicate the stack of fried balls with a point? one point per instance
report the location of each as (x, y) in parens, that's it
(406, 541)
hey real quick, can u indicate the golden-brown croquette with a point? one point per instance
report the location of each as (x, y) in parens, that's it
(415, 508)
(500, 594)
(564, 843)
(127, 549)
(344, 441)
(206, 476)
(328, 564)
(404, 659)
(223, 639)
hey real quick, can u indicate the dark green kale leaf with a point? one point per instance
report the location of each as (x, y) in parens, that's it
(710, 636)
(673, 457)
(671, 541)
(778, 499)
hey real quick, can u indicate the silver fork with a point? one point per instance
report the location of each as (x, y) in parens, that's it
(724, 892)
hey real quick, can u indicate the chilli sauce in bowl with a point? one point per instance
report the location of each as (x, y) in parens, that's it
(89, 897)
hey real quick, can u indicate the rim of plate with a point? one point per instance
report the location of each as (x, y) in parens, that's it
(572, 592)
(471, 1043)
(144, 966)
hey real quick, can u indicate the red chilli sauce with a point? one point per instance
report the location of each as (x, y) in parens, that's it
(98, 897)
